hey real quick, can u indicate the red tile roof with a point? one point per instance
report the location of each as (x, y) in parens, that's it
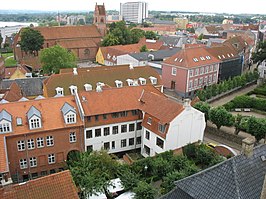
(223, 52)
(57, 186)
(77, 43)
(13, 93)
(9, 71)
(151, 44)
(107, 75)
(192, 57)
(146, 98)
(32, 62)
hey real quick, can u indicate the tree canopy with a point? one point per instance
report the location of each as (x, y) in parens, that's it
(260, 55)
(55, 58)
(31, 40)
(220, 117)
(144, 48)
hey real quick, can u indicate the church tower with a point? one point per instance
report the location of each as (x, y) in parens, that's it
(99, 18)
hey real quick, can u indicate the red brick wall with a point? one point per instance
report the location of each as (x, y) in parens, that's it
(61, 148)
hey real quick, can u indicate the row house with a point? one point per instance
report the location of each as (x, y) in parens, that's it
(37, 137)
(127, 118)
(189, 70)
(112, 77)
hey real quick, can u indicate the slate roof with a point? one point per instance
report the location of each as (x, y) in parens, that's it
(237, 178)
(59, 185)
(170, 40)
(29, 86)
(107, 75)
(158, 55)
(33, 111)
(5, 116)
(66, 108)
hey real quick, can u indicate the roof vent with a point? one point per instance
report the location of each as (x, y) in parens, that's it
(263, 158)
(99, 86)
(75, 71)
(88, 87)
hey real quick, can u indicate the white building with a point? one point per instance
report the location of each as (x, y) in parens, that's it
(262, 70)
(126, 118)
(135, 12)
(9, 30)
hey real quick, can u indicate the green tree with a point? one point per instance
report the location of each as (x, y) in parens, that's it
(1, 40)
(137, 34)
(191, 30)
(55, 58)
(168, 181)
(110, 40)
(144, 48)
(200, 37)
(144, 190)
(257, 127)
(31, 40)
(260, 55)
(93, 171)
(150, 35)
(129, 178)
(203, 107)
(237, 123)
(220, 117)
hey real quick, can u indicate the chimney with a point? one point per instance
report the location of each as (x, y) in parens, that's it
(131, 67)
(99, 86)
(75, 71)
(248, 146)
(186, 104)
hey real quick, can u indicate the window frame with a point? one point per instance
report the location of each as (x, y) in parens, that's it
(21, 145)
(49, 141)
(72, 137)
(50, 158)
(38, 141)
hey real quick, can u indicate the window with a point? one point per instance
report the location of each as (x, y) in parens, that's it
(106, 145)
(139, 126)
(174, 71)
(34, 175)
(215, 68)
(52, 171)
(153, 80)
(149, 121)
(211, 68)
(89, 148)
(200, 81)
(190, 73)
(115, 115)
(196, 72)
(131, 141)
(72, 137)
(138, 141)
(43, 173)
(98, 132)
(21, 145)
(33, 162)
(106, 131)
(23, 163)
(147, 150)
(131, 127)
(206, 69)
(205, 79)
(51, 159)
(201, 70)
(49, 141)
(113, 144)
(147, 135)
(96, 117)
(88, 134)
(142, 81)
(123, 143)
(115, 129)
(195, 82)
(123, 114)
(134, 112)
(5, 127)
(35, 123)
(104, 116)
(123, 128)
(89, 118)
(214, 77)
(210, 78)
(40, 142)
(161, 128)
(70, 119)
(159, 142)
(190, 84)
(31, 144)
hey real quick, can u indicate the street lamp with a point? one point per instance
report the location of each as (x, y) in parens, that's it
(145, 169)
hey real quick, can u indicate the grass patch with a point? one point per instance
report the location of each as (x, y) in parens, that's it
(10, 62)
(5, 55)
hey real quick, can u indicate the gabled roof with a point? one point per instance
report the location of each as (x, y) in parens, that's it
(33, 112)
(4, 115)
(66, 108)
(170, 40)
(238, 43)
(237, 177)
(77, 43)
(106, 75)
(213, 29)
(12, 93)
(223, 52)
(9, 71)
(59, 185)
(192, 57)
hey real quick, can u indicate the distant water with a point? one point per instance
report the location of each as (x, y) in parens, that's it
(4, 24)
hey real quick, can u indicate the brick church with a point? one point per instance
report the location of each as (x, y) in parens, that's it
(84, 41)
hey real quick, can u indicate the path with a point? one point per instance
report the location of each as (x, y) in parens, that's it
(9, 57)
(231, 96)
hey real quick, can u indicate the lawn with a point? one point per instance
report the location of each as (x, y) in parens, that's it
(10, 61)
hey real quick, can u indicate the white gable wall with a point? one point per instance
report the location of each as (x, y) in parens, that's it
(127, 59)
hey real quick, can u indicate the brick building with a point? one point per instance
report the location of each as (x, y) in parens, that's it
(38, 135)
(189, 70)
(99, 18)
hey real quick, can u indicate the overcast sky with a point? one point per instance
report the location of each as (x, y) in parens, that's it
(220, 6)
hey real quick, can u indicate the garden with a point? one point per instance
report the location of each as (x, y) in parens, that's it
(9, 59)
(148, 178)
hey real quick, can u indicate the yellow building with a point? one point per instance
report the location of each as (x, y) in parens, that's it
(100, 57)
(181, 22)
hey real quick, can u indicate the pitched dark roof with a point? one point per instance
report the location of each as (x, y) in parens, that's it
(29, 86)
(238, 177)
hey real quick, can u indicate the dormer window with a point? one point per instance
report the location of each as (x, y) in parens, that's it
(69, 114)
(118, 83)
(153, 80)
(34, 117)
(130, 82)
(5, 122)
(142, 81)
(88, 87)
(149, 121)
(161, 128)
(59, 91)
(114, 58)
(73, 89)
